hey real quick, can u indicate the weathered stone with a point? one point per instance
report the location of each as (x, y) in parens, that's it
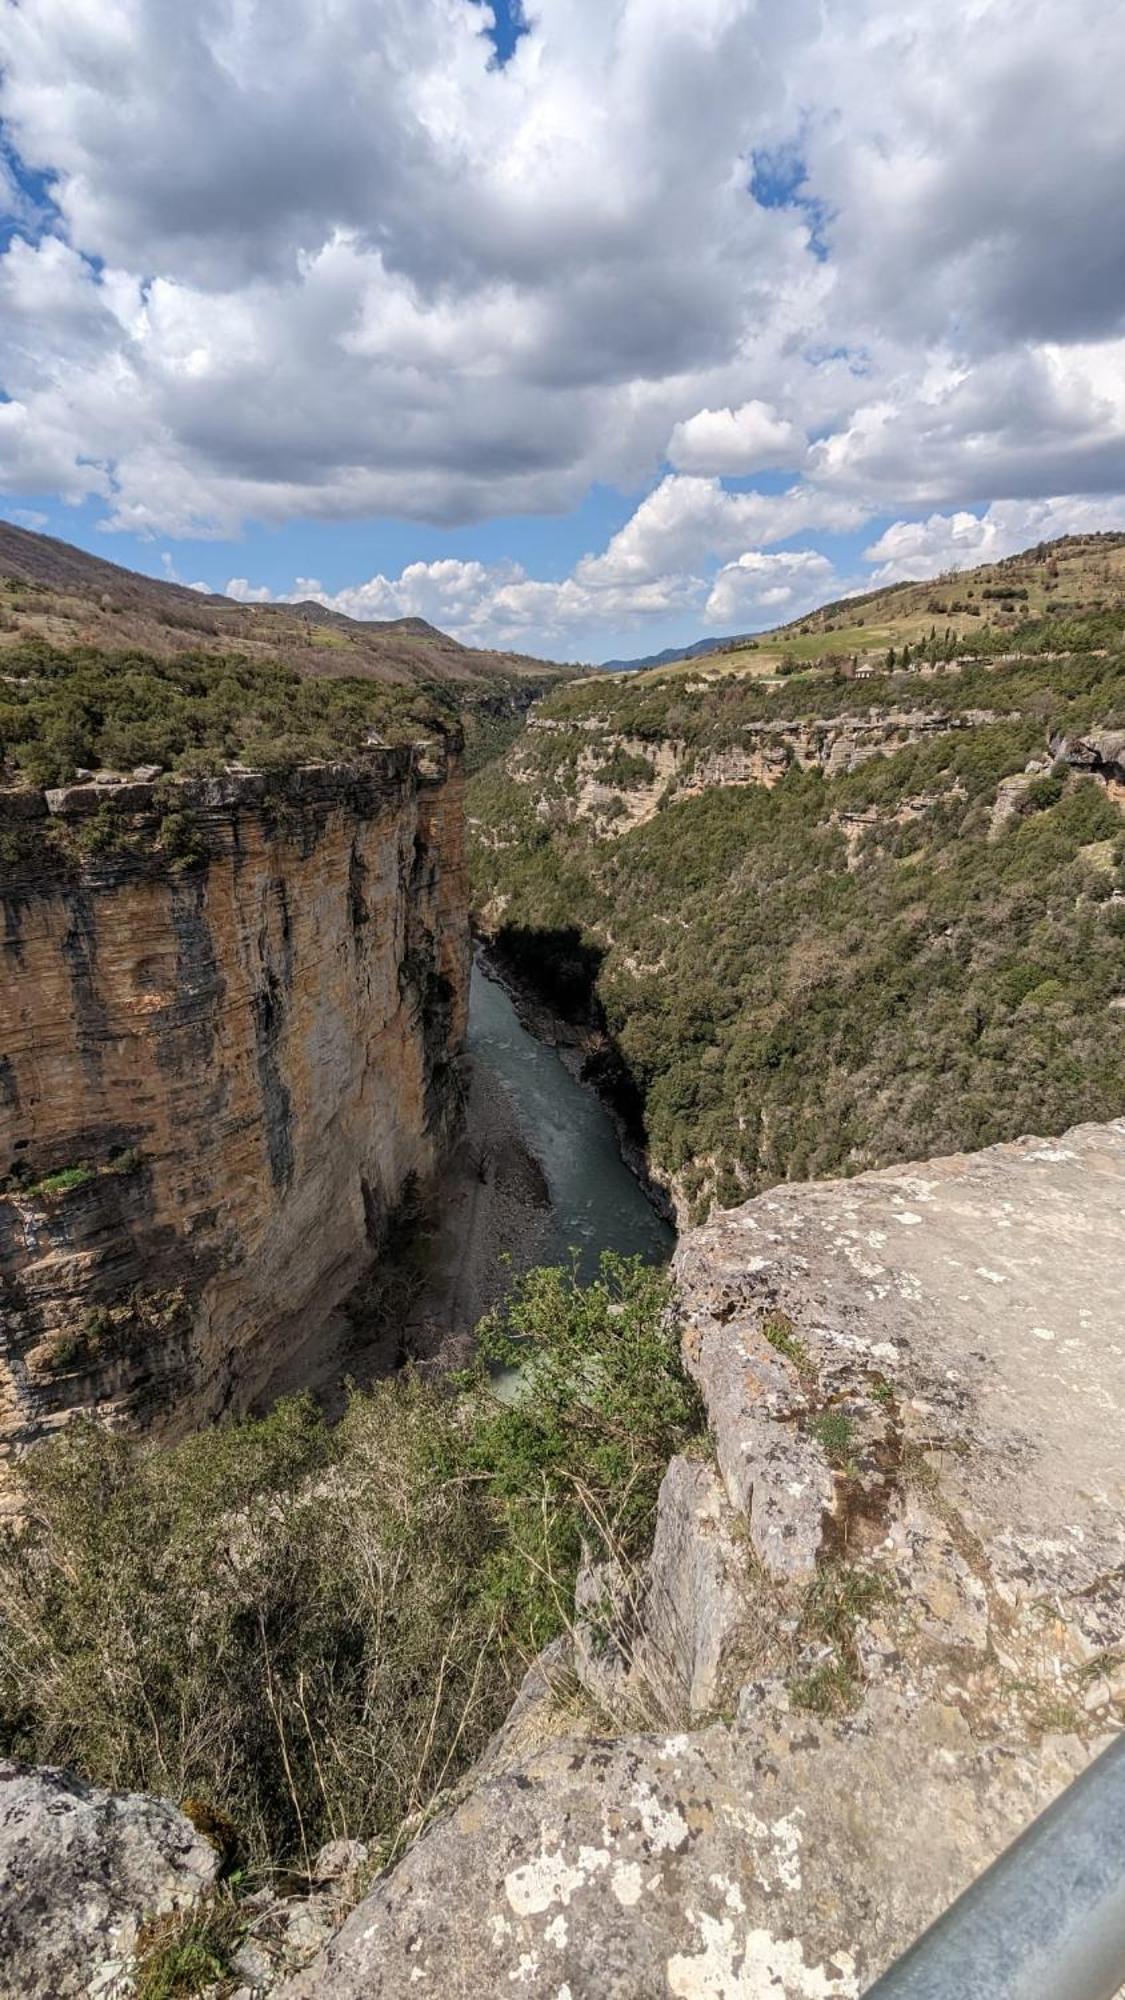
(80, 1871)
(775, 1475)
(606, 1605)
(694, 1608)
(338, 1859)
(985, 1290)
(270, 1035)
(730, 1863)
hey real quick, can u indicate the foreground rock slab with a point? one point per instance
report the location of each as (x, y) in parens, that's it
(80, 1871)
(900, 1593)
(773, 1863)
(977, 1303)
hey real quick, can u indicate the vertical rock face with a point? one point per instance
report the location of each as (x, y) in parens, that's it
(217, 1073)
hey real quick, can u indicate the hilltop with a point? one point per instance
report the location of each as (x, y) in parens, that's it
(64, 597)
(1072, 576)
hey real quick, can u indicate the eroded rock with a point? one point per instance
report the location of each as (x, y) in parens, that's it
(80, 1871)
(915, 1383)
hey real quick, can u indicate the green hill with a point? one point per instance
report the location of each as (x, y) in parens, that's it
(806, 924)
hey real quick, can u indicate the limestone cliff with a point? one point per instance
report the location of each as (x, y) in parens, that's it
(231, 1013)
(615, 781)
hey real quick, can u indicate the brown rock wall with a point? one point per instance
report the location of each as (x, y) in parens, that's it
(247, 1053)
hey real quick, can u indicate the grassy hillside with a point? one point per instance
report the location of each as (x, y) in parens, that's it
(1077, 575)
(854, 965)
(65, 598)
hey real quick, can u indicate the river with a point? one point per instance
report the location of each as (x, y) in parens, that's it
(596, 1203)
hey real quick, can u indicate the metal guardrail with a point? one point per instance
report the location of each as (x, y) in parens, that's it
(1047, 1920)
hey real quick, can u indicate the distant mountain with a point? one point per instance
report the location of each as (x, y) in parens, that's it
(60, 593)
(671, 654)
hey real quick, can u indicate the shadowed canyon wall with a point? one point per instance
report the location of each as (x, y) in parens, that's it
(230, 1013)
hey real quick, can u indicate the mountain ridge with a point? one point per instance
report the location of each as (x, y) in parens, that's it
(52, 590)
(868, 622)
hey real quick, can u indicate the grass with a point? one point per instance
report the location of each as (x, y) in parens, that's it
(65, 1181)
(835, 1434)
(830, 1689)
(190, 1952)
(68, 1180)
(839, 1598)
(782, 1335)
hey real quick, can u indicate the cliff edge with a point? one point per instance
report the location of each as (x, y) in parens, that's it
(232, 1009)
(877, 1634)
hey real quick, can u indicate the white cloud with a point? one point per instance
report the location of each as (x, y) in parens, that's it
(735, 441)
(335, 263)
(686, 519)
(758, 583)
(914, 549)
(498, 604)
(245, 592)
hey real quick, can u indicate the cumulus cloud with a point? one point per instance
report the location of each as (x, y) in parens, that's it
(685, 520)
(290, 261)
(779, 584)
(735, 441)
(498, 604)
(915, 549)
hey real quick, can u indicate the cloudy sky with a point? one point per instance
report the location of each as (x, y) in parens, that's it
(586, 329)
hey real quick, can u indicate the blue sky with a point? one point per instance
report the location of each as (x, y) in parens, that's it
(586, 331)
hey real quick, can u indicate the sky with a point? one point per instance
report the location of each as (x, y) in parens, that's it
(585, 328)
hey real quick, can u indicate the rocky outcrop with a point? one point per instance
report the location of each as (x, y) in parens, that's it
(1099, 754)
(903, 1582)
(232, 1014)
(656, 771)
(81, 1871)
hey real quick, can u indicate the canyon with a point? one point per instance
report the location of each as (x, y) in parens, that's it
(819, 940)
(892, 1571)
(230, 1044)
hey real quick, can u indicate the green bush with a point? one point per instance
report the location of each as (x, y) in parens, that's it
(311, 1632)
(64, 709)
(578, 1458)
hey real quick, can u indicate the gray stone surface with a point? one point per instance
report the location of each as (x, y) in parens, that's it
(80, 1871)
(986, 1291)
(774, 1863)
(932, 1597)
(694, 1605)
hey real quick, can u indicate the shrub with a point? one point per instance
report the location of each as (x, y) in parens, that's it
(577, 1459)
(310, 1632)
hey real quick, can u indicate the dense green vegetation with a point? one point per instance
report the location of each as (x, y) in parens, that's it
(796, 991)
(64, 710)
(1074, 690)
(309, 1632)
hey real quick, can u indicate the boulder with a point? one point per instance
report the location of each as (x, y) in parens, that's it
(80, 1872)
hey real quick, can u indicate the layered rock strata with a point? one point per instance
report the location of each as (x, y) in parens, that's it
(231, 1015)
(894, 1609)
